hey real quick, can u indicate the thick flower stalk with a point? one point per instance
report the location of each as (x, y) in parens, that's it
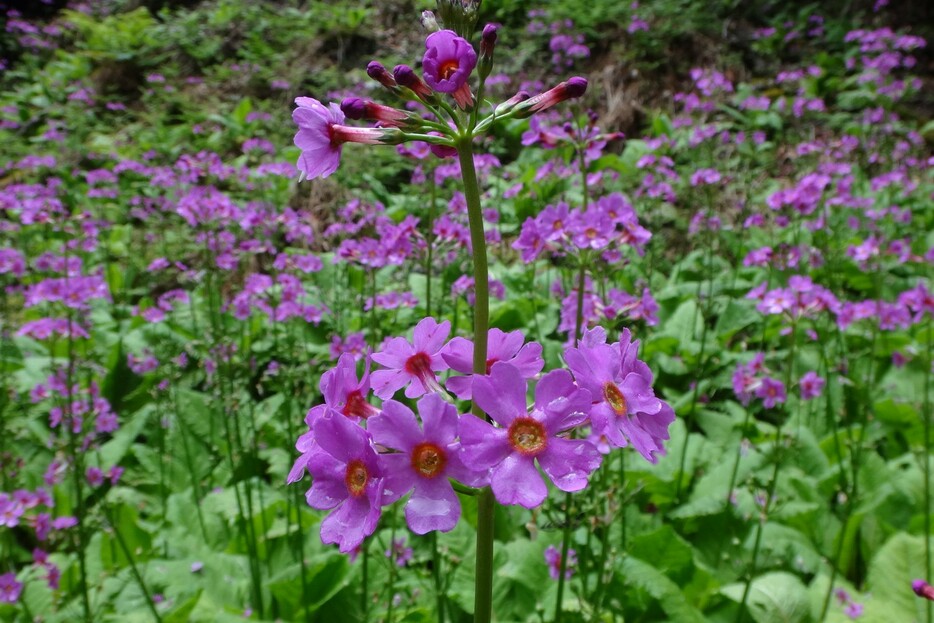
(363, 457)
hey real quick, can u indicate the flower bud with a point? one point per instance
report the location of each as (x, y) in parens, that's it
(376, 71)
(405, 76)
(356, 108)
(508, 105)
(572, 88)
(923, 589)
(487, 45)
(429, 22)
(459, 15)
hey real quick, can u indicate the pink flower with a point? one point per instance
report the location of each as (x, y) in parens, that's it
(347, 477)
(320, 154)
(447, 63)
(811, 385)
(413, 364)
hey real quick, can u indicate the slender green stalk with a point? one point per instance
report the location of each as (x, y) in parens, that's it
(483, 585)
(436, 576)
(430, 240)
(133, 568)
(773, 481)
(926, 414)
(704, 313)
(568, 500)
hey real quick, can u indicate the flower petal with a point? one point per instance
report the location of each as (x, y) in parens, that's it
(569, 462)
(516, 481)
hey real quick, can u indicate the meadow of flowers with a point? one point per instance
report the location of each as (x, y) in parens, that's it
(350, 312)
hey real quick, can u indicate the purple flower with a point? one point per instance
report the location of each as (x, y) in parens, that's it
(348, 478)
(320, 155)
(522, 438)
(9, 588)
(771, 391)
(424, 461)
(413, 364)
(344, 394)
(625, 406)
(320, 136)
(399, 552)
(553, 559)
(507, 347)
(448, 61)
(811, 385)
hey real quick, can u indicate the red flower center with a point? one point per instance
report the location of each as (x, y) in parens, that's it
(419, 366)
(489, 364)
(615, 398)
(356, 477)
(356, 406)
(428, 460)
(447, 69)
(527, 436)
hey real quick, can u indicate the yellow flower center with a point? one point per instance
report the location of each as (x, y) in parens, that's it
(615, 398)
(428, 460)
(527, 436)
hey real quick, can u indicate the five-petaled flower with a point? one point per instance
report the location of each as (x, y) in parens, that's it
(525, 437)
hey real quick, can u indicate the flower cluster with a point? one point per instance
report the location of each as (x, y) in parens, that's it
(448, 63)
(362, 457)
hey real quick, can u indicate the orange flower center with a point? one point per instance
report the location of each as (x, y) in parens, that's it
(527, 436)
(356, 477)
(447, 69)
(428, 460)
(615, 398)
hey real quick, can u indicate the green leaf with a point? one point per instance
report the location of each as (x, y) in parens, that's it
(778, 597)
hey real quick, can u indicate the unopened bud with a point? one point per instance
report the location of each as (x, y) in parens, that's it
(429, 22)
(923, 589)
(487, 45)
(406, 76)
(572, 88)
(376, 71)
(459, 15)
(509, 104)
(354, 108)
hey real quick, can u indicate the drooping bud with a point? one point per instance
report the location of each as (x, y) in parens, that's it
(407, 77)
(356, 108)
(572, 88)
(379, 73)
(429, 22)
(487, 45)
(459, 15)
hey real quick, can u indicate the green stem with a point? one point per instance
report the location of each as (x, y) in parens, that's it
(436, 575)
(568, 501)
(770, 493)
(483, 585)
(133, 568)
(926, 414)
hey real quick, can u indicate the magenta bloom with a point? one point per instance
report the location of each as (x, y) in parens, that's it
(412, 364)
(344, 394)
(625, 406)
(507, 347)
(811, 385)
(553, 559)
(10, 588)
(448, 61)
(348, 478)
(424, 461)
(771, 391)
(522, 438)
(321, 155)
